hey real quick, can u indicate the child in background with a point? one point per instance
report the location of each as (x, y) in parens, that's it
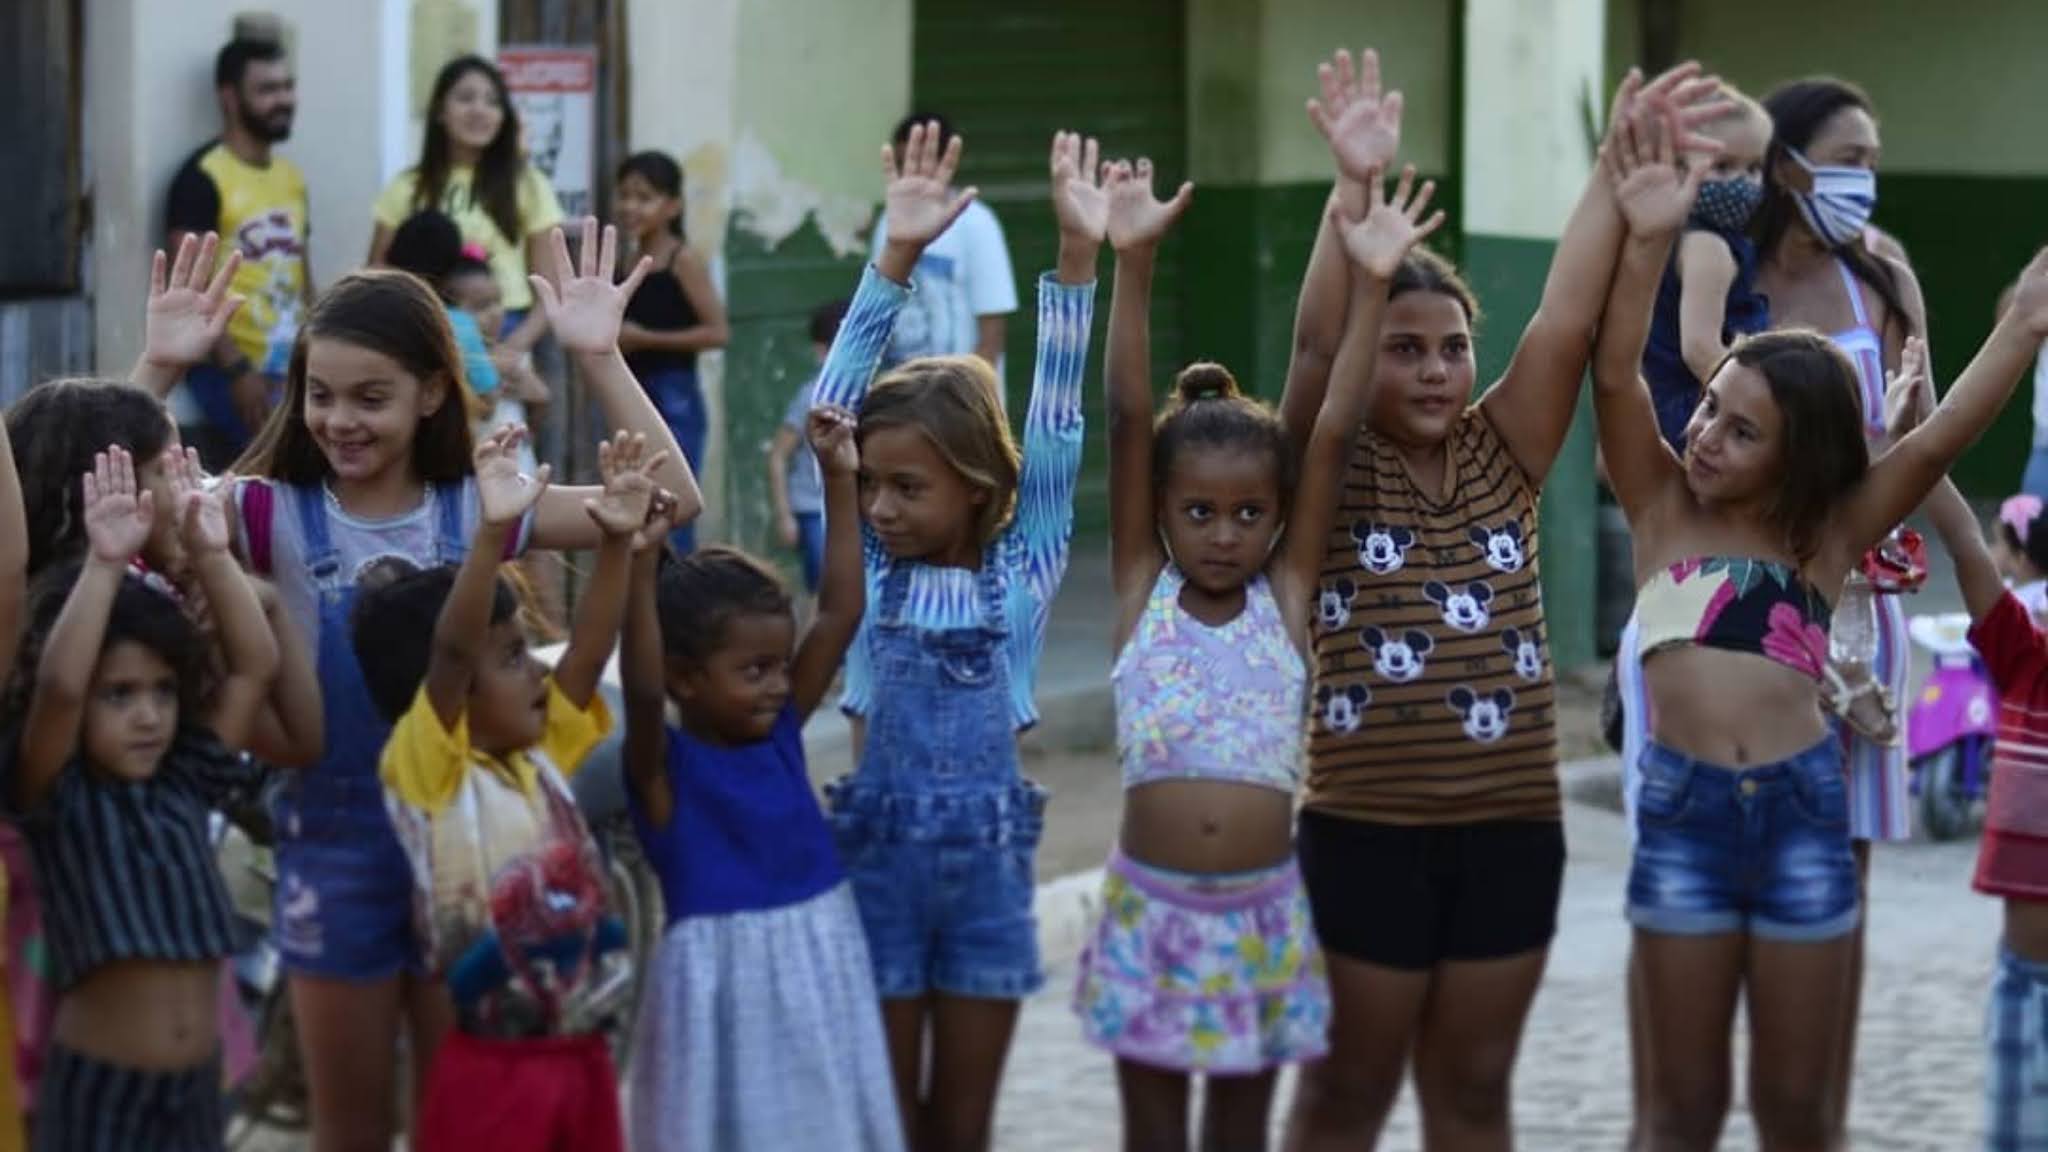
(793, 482)
(2020, 549)
(472, 287)
(676, 314)
(2012, 860)
(428, 245)
(964, 550)
(758, 1030)
(120, 740)
(508, 885)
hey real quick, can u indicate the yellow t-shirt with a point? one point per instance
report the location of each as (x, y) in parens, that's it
(463, 815)
(538, 212)
(263, 213)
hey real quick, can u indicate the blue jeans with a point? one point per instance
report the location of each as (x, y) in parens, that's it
(2034, 482)
(680, 399)
(1762, 850)
(225, 436)
(810, 545)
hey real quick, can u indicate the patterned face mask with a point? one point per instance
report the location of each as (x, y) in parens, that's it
(1727, 205)
(1841, 203)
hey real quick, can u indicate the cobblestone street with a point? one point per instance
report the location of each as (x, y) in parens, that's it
(1918, 1076)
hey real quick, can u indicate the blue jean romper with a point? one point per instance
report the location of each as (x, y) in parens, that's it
(344, 894)
(937, 827)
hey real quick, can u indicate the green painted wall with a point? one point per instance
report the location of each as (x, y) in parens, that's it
(772, 293)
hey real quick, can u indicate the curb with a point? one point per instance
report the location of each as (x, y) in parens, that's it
(1066, 906)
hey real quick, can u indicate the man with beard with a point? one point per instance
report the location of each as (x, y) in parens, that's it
(256, 201)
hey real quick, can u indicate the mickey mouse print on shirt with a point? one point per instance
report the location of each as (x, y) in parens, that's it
(1430, 603)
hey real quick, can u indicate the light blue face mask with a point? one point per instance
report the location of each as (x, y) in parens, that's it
(1841, 203)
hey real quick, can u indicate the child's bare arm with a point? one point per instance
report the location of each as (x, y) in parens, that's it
(780, 451)
(118, 516)
(628, 468)
(1705, 270)
(291, 731)
(644, 688)
(1976, 571)
(842, 588)
(503, 496)
(248, 648)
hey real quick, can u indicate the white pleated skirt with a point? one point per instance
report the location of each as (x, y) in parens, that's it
(760, 1032)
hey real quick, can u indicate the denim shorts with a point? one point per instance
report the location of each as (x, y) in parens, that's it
(944, 882)
(344, 886)
(1760, 850)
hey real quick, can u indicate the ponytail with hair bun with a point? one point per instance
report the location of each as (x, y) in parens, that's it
(1209, 410)
(1204, 380)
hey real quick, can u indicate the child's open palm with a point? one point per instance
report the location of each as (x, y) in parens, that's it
(1909, 392)
(202, 515)
(1362, 126)
(629, 488)
(1654, 193)
(118, 515)
(1079, 199)
(187, 310)
(503, 492)
(1693, 98)
(1137, 218)
(585, 310)
(830, 430)
(1380, 241)
(919, 200)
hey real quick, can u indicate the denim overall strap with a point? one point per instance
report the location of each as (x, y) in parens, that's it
(895, 592)
(991, 590)
(347, 772)
(451, 544)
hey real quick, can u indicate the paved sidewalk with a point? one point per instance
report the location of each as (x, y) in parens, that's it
(1919, 1072)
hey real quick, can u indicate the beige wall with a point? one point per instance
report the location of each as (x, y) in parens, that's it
(150, 102)
(1252, 68)
(1955, 94)
(1534, 73)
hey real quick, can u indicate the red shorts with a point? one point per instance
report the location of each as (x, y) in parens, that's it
(2013, 865)
(547, 1095)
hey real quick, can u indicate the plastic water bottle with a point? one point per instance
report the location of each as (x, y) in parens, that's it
(1852, 639)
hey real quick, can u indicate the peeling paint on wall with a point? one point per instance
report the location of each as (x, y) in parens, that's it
(771, 207)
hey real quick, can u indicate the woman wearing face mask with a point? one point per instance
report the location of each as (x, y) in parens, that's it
(1823, 267)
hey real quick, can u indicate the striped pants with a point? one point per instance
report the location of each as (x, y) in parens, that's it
(2016, 1058)
(87, 1106)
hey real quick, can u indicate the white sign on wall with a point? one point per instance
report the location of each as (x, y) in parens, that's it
(555, 91)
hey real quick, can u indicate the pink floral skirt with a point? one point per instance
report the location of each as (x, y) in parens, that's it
(1196, 973)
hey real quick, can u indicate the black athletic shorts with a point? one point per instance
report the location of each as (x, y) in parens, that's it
(1412, 897)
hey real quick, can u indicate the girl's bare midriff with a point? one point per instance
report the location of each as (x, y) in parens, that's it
(1207, 827)
(1733, 709)
(148, 1014)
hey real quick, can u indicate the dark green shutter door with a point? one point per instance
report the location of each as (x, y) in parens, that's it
(1008, 75)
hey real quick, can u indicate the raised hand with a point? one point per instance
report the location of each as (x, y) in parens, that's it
(629, 488)
(1654, 193)
(118, 515)
(585, 310)
(1694, 98)
(919, 199)
(1909, 392)
(1380, 241)
(202, 515)
(1079, 200)
(1137, 218)
(188, 308)
(2029, 305)
(503, 492)
(1362, 126)
(830, 430)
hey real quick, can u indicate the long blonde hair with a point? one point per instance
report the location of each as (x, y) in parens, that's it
(956, 401)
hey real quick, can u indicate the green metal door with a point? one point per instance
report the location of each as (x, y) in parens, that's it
(1010, 75)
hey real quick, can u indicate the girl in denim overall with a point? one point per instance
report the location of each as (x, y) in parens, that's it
(936, 826)
(369, 459)
(1743, 882)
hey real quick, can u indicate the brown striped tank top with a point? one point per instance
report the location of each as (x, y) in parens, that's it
(1434, 701)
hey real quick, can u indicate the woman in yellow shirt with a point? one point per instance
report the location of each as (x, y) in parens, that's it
(472, 169)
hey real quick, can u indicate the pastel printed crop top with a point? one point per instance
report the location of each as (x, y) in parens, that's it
(1200, 703)
(1739, 605)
